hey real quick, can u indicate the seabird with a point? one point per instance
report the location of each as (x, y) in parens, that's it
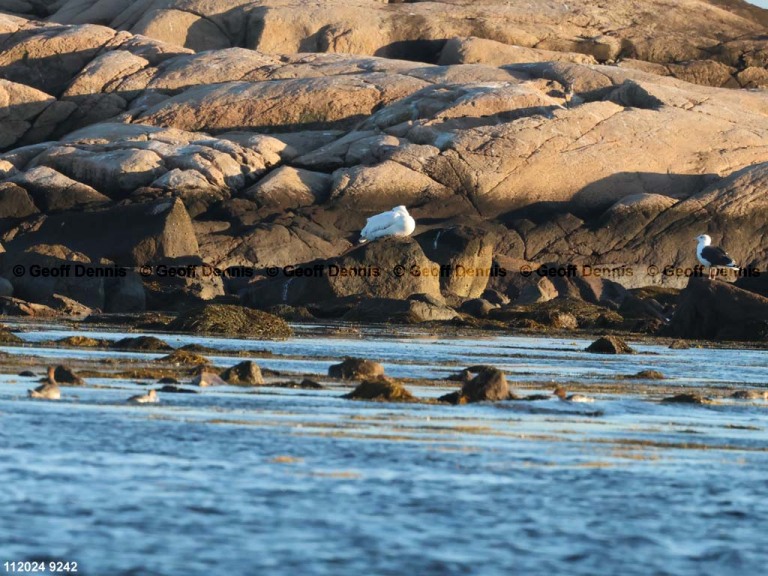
(562, 395)
(713, 256)
(148, 398)
(49, 389)
(396, 222)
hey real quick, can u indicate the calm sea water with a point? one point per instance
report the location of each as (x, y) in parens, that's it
(275, 481)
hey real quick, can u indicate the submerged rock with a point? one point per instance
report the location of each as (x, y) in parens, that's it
(609, 345)
(381, 388)
(355, 369)
(176, 390)
(231, 320)
(647, 375)
(688, 398)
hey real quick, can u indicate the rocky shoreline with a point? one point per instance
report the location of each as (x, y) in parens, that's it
(557, 182)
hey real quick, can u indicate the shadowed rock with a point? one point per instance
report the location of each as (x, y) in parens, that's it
(716, 310)
(609, 345)
(355, 369)
(245, 373)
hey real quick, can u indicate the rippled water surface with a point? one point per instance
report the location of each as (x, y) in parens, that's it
(280, 481)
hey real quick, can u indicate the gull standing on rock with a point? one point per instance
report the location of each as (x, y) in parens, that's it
(713, 256)
(49, 389)
(396, 222)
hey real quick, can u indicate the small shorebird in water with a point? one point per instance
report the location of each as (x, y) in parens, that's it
(49, 389)
(562, 395)
(147, 398)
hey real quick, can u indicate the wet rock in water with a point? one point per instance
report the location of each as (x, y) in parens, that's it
(27, 374)
(144, 343)
(381, 388)
(687, 398)
(309, 384)
(167, 380)
(82, 342)
(65, 375)
(231, 320)
(305, 384)
(679, 345)
(534, 397)
(356, 369)
(716, 310)
(647, 375)
(205, 379)
(455, 398)
(177, 390)
(8, 337)
(609, 345)
(245, 373)
(489, 385)
(750, 395)
(184, 358)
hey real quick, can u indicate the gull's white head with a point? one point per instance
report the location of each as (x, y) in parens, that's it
(704, 240)
(401, 209)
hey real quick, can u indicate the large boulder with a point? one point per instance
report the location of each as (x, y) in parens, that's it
(245, 373)
(394, 268)
(129, 235)
(715, 310)
(466, 256)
